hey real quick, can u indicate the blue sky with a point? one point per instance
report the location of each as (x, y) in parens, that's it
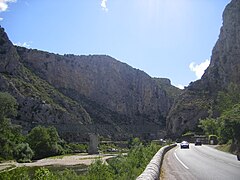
(164, 38)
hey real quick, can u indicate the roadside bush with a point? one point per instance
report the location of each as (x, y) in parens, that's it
(23, 153)
(43, 174)
(132, 165)
(99, 170)
(18, 174)
(68, 175)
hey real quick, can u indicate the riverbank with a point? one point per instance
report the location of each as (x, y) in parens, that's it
(67, 160)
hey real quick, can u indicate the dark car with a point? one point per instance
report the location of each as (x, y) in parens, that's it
(198, 142)
(184, 144)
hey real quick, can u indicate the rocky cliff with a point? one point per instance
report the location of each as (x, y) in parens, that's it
(199, 99)
(38, 102)
(110, 91)
(82, 94)
(102, 79)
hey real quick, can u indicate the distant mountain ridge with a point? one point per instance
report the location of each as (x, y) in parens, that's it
(82, 94)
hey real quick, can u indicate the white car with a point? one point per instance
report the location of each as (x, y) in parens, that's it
(184, 144)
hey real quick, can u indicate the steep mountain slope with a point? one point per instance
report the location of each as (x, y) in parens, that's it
(109, 90)
(39, 102)
(82, 94)
(103, 80)
(200, 98)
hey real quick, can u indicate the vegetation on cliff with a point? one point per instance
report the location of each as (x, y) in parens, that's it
(226, 126)
(40, 142)
(10, 135)
(220, 80)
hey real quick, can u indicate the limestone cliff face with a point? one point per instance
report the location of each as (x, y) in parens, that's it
(225, 60)
(198, 99)
(104, 80)
(9, 58)
(38, 102)
(83, 94)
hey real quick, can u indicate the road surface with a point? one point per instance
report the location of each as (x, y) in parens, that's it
(200, 163)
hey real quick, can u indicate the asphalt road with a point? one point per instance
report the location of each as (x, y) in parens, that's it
(201, 163)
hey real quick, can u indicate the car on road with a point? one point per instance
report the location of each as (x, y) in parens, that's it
(184, 144)
(198, 142)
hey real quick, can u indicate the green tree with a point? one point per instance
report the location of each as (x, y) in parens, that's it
(43, 174)
(99, 171)
(227, 99)
(134, 142)
(230, 125)
(23, 153)
(44, 141)
(209, 126)
(8, 106)
(10, 135)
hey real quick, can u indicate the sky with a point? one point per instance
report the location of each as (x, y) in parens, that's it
(164, 38)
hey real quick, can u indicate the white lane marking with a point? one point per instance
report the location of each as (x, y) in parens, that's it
(180, 160)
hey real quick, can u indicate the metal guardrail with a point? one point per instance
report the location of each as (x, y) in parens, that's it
(153, 169)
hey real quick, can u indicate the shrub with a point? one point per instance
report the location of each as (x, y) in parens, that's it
(43, 174)
(44, 142)
(23, 153)
(99, 170)
(78, 148)
(18, 174)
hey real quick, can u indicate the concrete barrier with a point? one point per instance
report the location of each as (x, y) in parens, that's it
(153, 169)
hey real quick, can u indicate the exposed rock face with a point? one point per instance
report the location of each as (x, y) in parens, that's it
(172, 91)
(113, 85)
(8, 55)
(39, 103)
(101, 94)
(225, 60)
(198, 99)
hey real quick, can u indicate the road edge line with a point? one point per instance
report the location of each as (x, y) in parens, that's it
(180, 160)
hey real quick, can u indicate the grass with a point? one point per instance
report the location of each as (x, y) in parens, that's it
(62, 156)
(83, 156)
(224, 148)
(79, 169)
(7, 168)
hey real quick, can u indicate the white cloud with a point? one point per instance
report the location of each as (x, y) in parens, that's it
(104, 5)
(199, 69)
(4, 4)
(1, 18)
(180, 86)
(24, 44)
